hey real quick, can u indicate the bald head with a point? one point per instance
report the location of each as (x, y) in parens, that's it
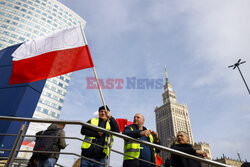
(139, 119)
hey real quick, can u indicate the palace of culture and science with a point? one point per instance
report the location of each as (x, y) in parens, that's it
(171, 117)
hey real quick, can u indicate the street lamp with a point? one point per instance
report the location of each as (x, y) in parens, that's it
(237, 65)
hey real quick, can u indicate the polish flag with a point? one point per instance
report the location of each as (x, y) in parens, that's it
(49, 56)
(122, 123)
(159, 161)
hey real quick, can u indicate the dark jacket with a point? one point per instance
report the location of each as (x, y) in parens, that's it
(245, 164)
(60, 144)
(33, 161)
(179, 161)
(136, 134)
(95, 151)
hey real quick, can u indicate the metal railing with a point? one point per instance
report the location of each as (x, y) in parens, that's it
(21, 134)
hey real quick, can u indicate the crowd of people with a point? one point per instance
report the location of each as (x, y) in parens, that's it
(96, 144)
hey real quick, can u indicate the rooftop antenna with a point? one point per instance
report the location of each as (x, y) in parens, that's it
(166, 74)
(239, 156)
(237, 65)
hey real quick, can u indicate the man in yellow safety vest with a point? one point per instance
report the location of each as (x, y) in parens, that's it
(92, 151)
(137, 150)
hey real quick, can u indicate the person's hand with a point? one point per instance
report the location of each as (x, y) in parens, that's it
(108, 113)
(100, 133)
(155, 135)
(201, 153)
(145, 133)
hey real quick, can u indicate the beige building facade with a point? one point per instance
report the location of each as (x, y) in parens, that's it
(229, 161)
(204, 147)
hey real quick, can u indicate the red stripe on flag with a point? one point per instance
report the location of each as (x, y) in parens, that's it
(159, 161)
(50, 65)
(122, 123)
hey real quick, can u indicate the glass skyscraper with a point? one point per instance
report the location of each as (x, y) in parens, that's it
(22, 20)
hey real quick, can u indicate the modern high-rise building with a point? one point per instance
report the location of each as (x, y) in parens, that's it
(171, 118)
(22, 20)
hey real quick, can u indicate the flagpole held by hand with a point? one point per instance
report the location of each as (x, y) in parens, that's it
(100, 91)
(97, 81)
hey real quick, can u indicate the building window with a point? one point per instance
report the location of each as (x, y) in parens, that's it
(28, 17)
(18, 3)
(30, 2)
(11, 41)
(10, 5)
(14, 35)
(61, 100)
(38, 108)
(4, 26)
(32, 8)
(53, 88)
(53, 114)
(54, 105)
(46, 102)
(42, 8)
(21, 38)
(17, 7)
(46, 111)
(24, 10)
(59, 108)
(45, 14)
(48, 94)
(25, 5)
(60, 84)
(57, 115)
(55, 97)
(6, 33)
(59, 91)
(29, 12)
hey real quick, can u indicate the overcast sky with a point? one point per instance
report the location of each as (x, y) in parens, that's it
(196, 40)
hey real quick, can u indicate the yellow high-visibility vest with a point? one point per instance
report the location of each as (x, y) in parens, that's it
(133, 149)
(88, 140)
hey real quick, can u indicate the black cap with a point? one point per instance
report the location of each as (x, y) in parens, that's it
(102, 108)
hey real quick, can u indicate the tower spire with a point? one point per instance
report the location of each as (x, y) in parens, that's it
(166, 74)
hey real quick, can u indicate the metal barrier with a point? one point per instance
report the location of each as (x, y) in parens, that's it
(20, 136)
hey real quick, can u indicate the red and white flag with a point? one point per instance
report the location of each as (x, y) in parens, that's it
(49, 56)
(122, 123)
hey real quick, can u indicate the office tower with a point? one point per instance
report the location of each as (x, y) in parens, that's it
(171, 117)
(22, 20)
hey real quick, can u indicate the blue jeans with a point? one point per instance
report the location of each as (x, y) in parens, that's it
(50, 162)
(87, 163)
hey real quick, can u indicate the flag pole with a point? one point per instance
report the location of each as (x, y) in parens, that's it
(100, 90)
(97, 81)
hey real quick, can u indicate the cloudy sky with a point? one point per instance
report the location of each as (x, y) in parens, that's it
(196, 40)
